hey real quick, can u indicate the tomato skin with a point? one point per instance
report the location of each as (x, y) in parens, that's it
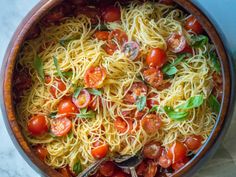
(37, 125)
(122, 126)
(107, 168)
(167, 2)
(151, 123)
(99, 150)
(152, 150)
(111, 14)
(193, 25)
(164, 161)
(187, 49)
(61, 126)
(156, 58)
(57, 86)
(66, 108)
(152, 100)
(218, 86)
(178, 165)
(102, 35)
(177, 152)
(141, 168)
(118, 35)
(64, 172)
(194, 142)
(154, 77)
(151, 169)
(177, 43)
(83, 99)
(119, 174)
(94, 77)
(41, 152)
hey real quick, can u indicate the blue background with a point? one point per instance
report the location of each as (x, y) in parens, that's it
(222, 13)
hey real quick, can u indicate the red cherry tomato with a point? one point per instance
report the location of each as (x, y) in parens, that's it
(187, 49)
(119, 36)
(41, 152)
(102, 35)
(193, 25)
(66, 108)
(193, 142)
(151, 169)
(151, 123)
(164, 161)
(119, 174)
(178, 165)
(37, 125)
(64, 171)
(167, 2)
(61, 126)
(111, 14)
(152, 150)
(83, 100)
(99, 150)
(156, 58)
(137, 89)
(152, 100)
(107, 168)
(131, 50)
(94, 77)
(122, 125)
(57, 86)
(176, 43)
(141, 168)
(177, 152)
(91, 12)
(154, 77)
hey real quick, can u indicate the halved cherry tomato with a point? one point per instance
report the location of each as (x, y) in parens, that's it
(152, 150)
(193, 142)
(193, 25)
(154, 77)
(91, 12)
(187, 49)
(178, 165)
(94, 77)
(151, 169)
(66, 107)
(177, 152)
(107, 168)
(57, 86)
(102, 35)
(41, 152)
(176, 43)
(152, 100)
(83, 100)
(167, 2)
(139, 114)
(141, 168)
(111, 14)
(122, 125)
(119, 173)
(164, 161)
(61, 126)
(156, 58)
(99, 150)
(37, 125)
(151, 123)
(119, 36)
(64, 171)
(137, 89)
(131, 50)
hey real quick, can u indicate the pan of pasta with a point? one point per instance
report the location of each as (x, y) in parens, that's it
(95, 80)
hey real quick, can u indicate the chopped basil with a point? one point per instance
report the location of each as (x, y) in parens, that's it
(77, 92)
(171, 71)
(38, 65)
(199, 41)
(141, 103)
(192, 102)
(66, 74)
(53, 115)
(156, 108)
(86, 114)
(175, 115)
(63, 42)
(57, 67)
(77, 168)
(101, 27)
(95, 92)
(215, 62)
(214, 104)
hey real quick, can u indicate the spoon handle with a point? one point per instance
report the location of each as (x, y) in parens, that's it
(133, 172)
(91, 168)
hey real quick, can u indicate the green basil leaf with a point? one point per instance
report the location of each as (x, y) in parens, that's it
(199, 41)
(175, 115)
(214, 104)
(77, 92)
(141, 103)
(38, 65)
(101, 27)
(66, 74)
(192, 102)
(95, 92)
(70, 134)
(77, 168)
(156, 108)
(171, 71)
(53, 115)
(84, 114)
(215, 62)
(57, 67)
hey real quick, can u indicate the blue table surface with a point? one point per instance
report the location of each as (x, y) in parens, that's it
(222, 13)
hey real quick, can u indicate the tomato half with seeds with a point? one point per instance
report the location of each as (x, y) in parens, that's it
(176, 42)
(94, 77)
(152, 150)
(164, 161)
(119, 36)
(61, 126)
(122, 125)
(177, 152)
(102, 35)
(37, 125)
(152, 100)
(151, 123)
(107, 168)
(83, 99)
(151, 169)
(66, 108)
(194, 142)
(57, 87)
(178, 165)
(111, 14)
(154, 77)
(156, 58)
(193, 25)
(99, 150)
(131, 50)
(41, 152)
